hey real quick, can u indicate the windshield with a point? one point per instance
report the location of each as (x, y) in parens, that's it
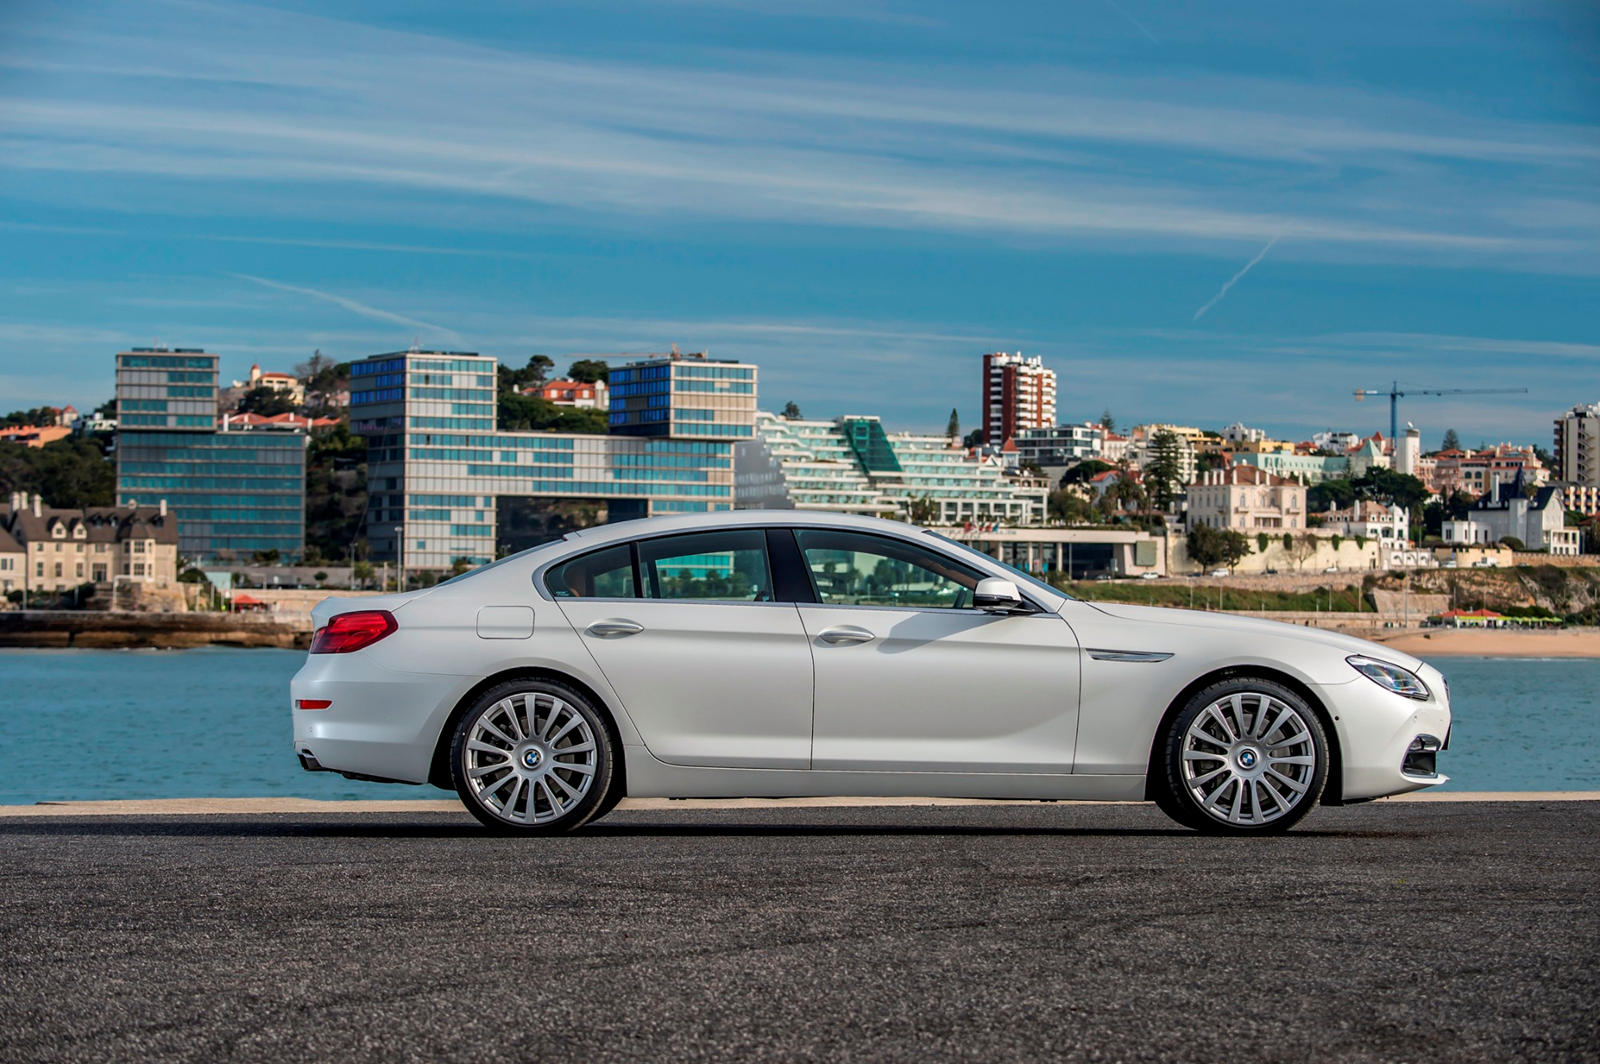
(1022, 577)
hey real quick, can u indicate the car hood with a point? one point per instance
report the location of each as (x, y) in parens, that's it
(1229, 622)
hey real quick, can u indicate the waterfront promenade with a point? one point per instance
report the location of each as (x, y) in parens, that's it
(1388, 931)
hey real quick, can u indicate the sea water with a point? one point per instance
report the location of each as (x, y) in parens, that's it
(101, 724)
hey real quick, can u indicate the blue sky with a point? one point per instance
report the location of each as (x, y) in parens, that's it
(862, 198)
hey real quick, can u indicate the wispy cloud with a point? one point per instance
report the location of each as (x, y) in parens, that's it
(1140, 26)
(767, 137)
(1235, 279)
(355, 306)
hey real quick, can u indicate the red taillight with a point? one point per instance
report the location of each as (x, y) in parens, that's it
(351, 631)
(312, 703)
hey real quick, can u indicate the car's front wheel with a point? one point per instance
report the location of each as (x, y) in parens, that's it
(1243, 757)
(531, 756)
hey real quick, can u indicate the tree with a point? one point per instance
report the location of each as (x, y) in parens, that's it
(266, 557)
(268, 402)
(1451, 441)
(1086, 471)
(70, 472)
(362, 573)
(1262, 542)
(1300, 548)
(973, 438)
(588, 370)
(921, 509)
(336, 492)
(1069, 508)
(791, 411)
(952, 428)
(535, 373)
(1210, 547)
(1390, 488)
(1107, 422)
(1163, 473)
(319, 576)
(1330, 495)
(1512, 543)
(529, 413)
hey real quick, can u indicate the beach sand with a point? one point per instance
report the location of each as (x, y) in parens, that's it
(1497, 643)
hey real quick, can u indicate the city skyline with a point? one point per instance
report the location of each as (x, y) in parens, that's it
(1180, 219)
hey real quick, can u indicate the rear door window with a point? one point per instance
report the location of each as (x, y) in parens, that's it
(727, 566)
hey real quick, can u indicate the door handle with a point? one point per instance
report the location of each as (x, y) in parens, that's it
(613, 629)
(844, 635)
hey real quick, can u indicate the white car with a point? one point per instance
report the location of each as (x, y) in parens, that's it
(779, 653)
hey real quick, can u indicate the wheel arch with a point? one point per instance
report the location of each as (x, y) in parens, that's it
(439, 765)
(1332, 790)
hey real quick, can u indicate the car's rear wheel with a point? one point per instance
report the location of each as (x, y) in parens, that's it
(532, 756)
(1243, 757)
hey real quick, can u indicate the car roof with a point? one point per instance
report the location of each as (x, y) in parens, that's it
(651, 526)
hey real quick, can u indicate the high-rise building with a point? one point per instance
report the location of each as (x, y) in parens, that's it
(439, 470)
(232, 493)
(1578, 446)
(1018, 393)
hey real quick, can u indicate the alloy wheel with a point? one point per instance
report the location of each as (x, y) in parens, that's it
(530, 758)
(1248, 759)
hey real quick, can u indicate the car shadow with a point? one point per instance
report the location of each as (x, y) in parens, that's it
(444, 825)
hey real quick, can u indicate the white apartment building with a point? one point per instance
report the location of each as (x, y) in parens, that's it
(1247, 499)
(1239, 433)
(1507, 510)
(1018, 394)
(851, 465)
(1390, 525)
(1060, 446)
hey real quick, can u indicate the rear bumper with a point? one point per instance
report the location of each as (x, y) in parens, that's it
(379, 724)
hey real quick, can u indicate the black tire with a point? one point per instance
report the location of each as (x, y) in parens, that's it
(547, 795)
(1265, 787)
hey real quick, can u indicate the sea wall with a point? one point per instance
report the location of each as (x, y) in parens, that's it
(106, 629)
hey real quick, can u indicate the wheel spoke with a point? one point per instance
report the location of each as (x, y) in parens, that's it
(1203, 755)
(565, 728)
(497, 784)
(572, 792)
(575, 766)
(482, 747)
(1293, 784)
(489, 726)
(1298, 759)
(483, 770)
(1227, 729)
(549, 796)
(556, 709)
(1200, 781)
(1238, 715)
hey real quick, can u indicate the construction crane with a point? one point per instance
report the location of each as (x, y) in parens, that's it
(1395, 395)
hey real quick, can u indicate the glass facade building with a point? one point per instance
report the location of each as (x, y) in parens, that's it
(852, 465)
(233, 493)
(436, 463)
(683, 397)
(162, 388)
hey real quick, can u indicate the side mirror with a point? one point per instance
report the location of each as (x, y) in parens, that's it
(996, 595)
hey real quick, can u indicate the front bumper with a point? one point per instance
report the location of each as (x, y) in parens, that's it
(1379, 732)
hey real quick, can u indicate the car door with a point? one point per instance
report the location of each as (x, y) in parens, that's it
(712, 670)
(909, 677)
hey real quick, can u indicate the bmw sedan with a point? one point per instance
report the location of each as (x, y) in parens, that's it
(779, 653)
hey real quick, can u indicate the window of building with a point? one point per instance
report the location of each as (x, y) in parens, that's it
(855, 569)
(58, 570)
(138, 546)
(138, 568)
(80, 570)
(38, 569)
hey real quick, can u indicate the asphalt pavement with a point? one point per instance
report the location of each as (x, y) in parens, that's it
(1403, 932)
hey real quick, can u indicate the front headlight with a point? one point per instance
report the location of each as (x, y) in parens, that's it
(1390, 677)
